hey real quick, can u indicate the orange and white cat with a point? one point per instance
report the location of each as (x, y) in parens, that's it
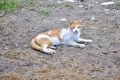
(46, 41)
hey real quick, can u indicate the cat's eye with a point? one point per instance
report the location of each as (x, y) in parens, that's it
(79, 26)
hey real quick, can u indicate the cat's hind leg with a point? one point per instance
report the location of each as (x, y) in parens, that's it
(46, 49)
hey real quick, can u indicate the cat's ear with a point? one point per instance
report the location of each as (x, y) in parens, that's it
(70, 21)
(81, 21)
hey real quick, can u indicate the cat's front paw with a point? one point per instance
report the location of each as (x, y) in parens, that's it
(80, 46)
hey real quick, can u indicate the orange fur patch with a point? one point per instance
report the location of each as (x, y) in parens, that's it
(43, 41)
(54, 33)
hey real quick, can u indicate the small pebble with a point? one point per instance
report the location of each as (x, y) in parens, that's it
(105, 52)
(80, 6)
(93, 18)
(6, 48)
(115, 51)
(70, 0)
(63, 19)
(107, 3)
(106, 10)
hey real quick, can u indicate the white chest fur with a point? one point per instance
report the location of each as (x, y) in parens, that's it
(70, 36)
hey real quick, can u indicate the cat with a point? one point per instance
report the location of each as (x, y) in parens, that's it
(46, 41)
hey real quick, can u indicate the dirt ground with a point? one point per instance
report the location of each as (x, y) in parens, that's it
(99, 60)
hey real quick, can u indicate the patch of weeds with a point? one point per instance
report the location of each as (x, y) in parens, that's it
(118, 3)
(29, 3)
(52, 4)
(116, 26)
(68, 5)
(45, 12)
(9, 5)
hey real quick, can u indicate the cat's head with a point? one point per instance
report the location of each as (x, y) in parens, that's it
(75, 26)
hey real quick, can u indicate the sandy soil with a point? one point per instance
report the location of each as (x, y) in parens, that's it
(99, 60)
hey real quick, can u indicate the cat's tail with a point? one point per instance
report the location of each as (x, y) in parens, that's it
(34, 45)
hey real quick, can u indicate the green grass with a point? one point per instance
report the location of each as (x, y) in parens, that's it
(118, 3)
(8, 5)
(29, 3)
(68, 5)
(52, 4)
(44, 12)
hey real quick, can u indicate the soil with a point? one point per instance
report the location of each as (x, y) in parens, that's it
(99, 60)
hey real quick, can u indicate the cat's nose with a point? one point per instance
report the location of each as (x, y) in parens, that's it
(76, 31)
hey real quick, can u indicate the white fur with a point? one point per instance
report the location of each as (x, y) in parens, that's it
(43, 36)
(55, 41)
(45, 48)
(76, 29)
(72, 38)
